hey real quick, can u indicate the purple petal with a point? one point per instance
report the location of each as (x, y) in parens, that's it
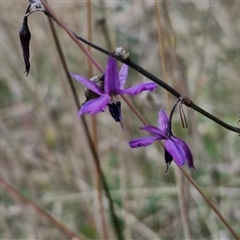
(163, 120)
(123, 75)
(94, 106)
(176, 151)
(149, 86)
(25, 37)
(142, 142)
(87, 83)
(111, 81)
(155, 131)
(187, 151)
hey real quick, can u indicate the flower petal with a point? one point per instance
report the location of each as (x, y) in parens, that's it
(187, 151)
(149, 86)
(87, 83)
(94, 106)
(163, 120)
(175, 149)
(142, 142)
(111, 81)
(155, 131)
(123, 75)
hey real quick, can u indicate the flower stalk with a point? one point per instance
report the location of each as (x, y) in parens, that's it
(158, 81)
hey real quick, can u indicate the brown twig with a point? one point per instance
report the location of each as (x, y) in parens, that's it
(211, 205)
(19, 197)
(94, 128)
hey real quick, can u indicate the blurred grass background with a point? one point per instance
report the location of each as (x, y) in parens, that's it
(44, 152)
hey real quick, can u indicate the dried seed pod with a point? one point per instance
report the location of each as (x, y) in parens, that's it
(25, 37)
(35, 5)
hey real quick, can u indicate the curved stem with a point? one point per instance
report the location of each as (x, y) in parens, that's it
(161, 83)
(52, 14)
(94, 130)
(136, 67)
(211, 205)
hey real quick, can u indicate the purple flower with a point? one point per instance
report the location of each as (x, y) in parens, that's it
(114, 82)
(175, 148)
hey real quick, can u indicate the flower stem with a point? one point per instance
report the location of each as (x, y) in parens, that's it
(174, 106)
(161, 47)
(167, 87)
(179, 177)
(161, 83)
(71, 35)
(94, 131)
(136, 112)
(211, 205)
(88, 136)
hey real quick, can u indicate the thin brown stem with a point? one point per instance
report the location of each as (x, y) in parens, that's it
(19, 197)
(71, 35)
(161, 83)
(94, 127)
(211, 205)
(136, 112)
(161, 48)
(180, 183)
(88, 136)
(183, 204)
(103, 25)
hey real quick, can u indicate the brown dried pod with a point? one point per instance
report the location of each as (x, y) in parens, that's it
(25, 37)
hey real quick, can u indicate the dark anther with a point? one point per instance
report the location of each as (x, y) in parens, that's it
(168, 157)
(25, 37)
(115, 110)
